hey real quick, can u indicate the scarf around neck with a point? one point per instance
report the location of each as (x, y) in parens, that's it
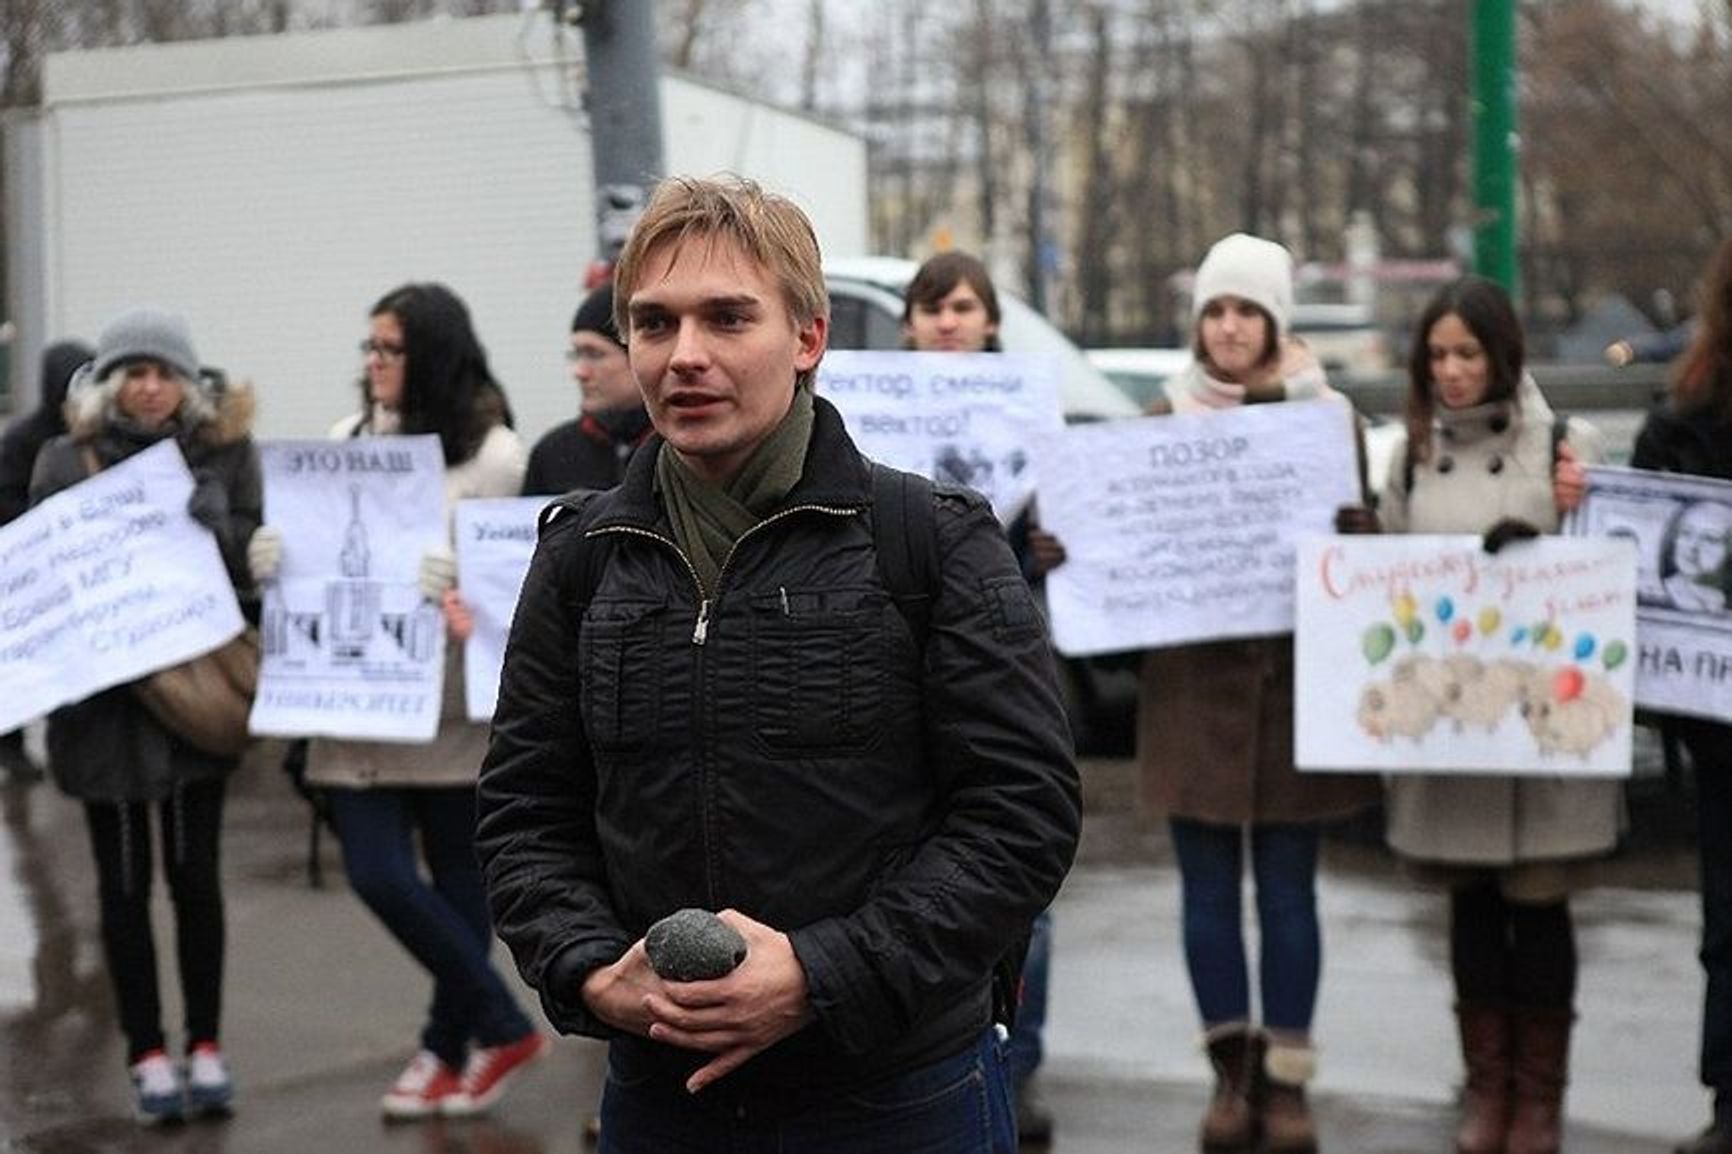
(708, 519)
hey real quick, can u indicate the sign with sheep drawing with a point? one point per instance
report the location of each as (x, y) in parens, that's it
(1426, 654)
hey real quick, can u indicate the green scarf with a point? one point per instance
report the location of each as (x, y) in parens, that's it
(707, 518)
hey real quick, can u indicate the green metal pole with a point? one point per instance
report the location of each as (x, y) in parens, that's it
(1494, 141)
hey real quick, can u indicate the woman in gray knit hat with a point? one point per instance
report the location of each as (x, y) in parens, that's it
(110, 752)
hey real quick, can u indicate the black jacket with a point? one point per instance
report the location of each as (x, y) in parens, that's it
(1695, 442)
(901, 818)
(584, 454)
(25, 436)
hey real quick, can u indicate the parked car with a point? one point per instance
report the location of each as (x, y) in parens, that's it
(1143, 373)
(1344, 337)
(866, 313)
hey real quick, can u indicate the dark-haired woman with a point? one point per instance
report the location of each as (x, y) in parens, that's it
(1215, 742)
(1691, 432)
(1483, 455)
(426, 372)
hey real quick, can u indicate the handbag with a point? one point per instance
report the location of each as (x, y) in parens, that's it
(205, 701)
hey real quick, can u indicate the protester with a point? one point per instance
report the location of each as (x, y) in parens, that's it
(1215, 740)
(1691, 432)
(19, 446)
(712, 699)
(591, 451)
(111, 753)
(951, 305)
(426, 372)
(1655, 348)
(1485, 454)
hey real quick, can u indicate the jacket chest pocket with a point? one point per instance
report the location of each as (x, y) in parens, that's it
(817, 669)
(618, 657)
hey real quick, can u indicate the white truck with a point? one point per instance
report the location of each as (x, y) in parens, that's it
(272, 188)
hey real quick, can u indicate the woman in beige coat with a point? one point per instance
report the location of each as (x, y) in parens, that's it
(427, 373)
(1485, 454)
(1215, 741)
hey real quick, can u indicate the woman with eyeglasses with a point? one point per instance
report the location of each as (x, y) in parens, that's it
(427, 373)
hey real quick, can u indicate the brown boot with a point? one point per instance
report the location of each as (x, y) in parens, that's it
(1542, 1055)
(1485, 1099)
(1229, 1126)
(1284, 1116)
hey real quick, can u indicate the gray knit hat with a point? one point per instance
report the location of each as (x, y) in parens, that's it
(146, 334)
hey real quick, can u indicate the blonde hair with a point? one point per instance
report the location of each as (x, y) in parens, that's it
(770, 229)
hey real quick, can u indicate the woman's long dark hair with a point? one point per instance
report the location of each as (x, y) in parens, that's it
(1703, 381)
(1486, 310)
(448, 387)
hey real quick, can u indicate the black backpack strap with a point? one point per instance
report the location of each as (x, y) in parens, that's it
(592, 553)
(905, 540)
(1560, 433)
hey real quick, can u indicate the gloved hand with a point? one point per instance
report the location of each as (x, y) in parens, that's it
(209, 503)
(1357, 519)
(1506, 530)
(265, 553)
(438, 574)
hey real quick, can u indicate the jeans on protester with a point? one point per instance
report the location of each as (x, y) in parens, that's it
(444, 925)
(1284, 866)
(957, 1105)
(1714, 845)
(1025, 1047)
(120, 838)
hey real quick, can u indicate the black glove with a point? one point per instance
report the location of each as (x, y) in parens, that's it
(209, 503)
(1357, 519)
(1506, 530)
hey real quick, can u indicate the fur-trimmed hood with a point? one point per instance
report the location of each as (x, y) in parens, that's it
(219, 411)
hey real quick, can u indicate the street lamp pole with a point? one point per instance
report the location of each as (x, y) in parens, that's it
(1496, 140)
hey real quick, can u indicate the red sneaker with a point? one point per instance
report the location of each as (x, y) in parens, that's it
(487, 1071)
(419, 1091)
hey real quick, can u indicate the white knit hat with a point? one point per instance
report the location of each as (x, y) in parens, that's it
(1242, 265)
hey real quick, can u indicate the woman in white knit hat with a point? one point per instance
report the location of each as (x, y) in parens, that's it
(1215, 742)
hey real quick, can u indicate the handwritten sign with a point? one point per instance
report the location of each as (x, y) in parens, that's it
(1681, 530)
(960, 418)
(495, 540)
(1182, 528)
(351, 648)
(105, 582)
(1427, 654)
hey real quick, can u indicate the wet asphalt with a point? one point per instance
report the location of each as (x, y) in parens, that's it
(322, 1007)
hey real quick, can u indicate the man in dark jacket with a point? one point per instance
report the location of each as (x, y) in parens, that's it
(711, 699)
(24, 439)
(591, 451)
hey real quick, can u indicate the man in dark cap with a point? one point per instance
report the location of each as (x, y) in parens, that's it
(591, 451)
(24, 438)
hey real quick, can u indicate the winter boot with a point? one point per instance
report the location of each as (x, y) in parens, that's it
(1542, 1055)
(1283, 1114)
(1485, 1098)
(1229, 1126)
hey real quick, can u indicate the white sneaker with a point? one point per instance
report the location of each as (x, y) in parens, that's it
(209, 1089)
(156, 1083)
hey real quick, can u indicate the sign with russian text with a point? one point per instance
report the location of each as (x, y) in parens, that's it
(1681, 529)
(351, 648)
(495, 540)
(959, 418)
(1181, 528)
(105, 582)
(1427, 654)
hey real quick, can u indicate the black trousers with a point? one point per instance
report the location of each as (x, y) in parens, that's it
(190, 824)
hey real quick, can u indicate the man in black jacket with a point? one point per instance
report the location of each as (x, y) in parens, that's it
(711, 699)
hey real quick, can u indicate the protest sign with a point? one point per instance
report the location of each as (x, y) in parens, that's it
(495, 540)
(1428, 654)
(351, 648)
(1181, 528)
(960, 418)
(105, 582)
(1681, 527)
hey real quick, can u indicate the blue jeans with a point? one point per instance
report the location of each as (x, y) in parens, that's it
(1024, 1049)
(957, 1105)
(444, 925)
(1284, 864)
